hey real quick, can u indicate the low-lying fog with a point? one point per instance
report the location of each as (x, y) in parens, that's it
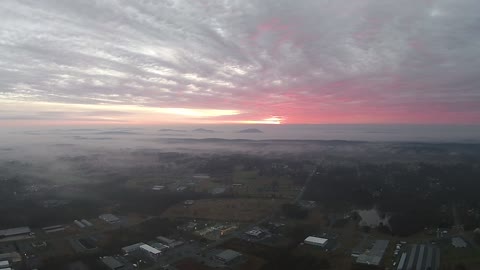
(58, 152)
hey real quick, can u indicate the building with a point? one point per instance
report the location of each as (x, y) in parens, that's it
(109, 218)
(151, 252)
(111, 262)
(158, 187)
(79, 224)
(54, 228)
(132, 248)
(316, 241)
(169, 242)
(228, 256)
(12, 257)
(86, 223)
(420, 257)
(188, 202)
(15, 232)
(218, 190)
(374, 255)
(159, 246)
(459, 242)
(256, 233)
(4, 264)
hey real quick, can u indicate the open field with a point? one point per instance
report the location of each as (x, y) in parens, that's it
(242, 210)
(251, 183)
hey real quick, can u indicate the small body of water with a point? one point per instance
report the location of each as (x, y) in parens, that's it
(372, 218)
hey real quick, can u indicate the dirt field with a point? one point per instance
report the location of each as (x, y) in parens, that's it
(242, 210)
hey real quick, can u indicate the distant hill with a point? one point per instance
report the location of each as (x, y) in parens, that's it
(250, 130)
(202, 130)
(171, 130)
(117, 133)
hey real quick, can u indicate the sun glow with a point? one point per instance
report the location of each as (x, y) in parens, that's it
(274, 120)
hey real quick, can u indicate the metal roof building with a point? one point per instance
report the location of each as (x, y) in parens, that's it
(374, 255)
(4, 264)
(109, 218)
(459, 242)
(227, 256)
(15, 231)
(420, 257)
(111, 262)
(150, 249)
(316, 241)
(132, 248)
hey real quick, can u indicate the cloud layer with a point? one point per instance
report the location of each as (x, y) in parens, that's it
(307, 61)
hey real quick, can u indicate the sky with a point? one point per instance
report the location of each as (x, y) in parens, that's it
(239, 61)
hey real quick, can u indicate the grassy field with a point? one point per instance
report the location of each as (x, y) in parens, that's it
(242, 210)
(250, 183)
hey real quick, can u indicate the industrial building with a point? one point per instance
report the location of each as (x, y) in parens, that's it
(218, 190)
(373, 255)
(15, 232)
(4, 264)
(54, 228)
(111, 262)
(256, 233)
(79, 224)
(420, 257)
(151, 252)
(228, 256)
(158, 246)
(169, 242)
(109, 218)
(132, 248)
(12, 257)
(316, 241)
(458, 242)
(86, 223)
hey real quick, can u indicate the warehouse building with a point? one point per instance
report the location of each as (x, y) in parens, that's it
(373, 255)
(420, 257)
(112, 263)
(228, 256)
(151, 252)
(316, 241)
(15, 232)
(109, 218)
(132, 248)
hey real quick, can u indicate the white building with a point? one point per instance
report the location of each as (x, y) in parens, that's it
(151, 252)
(132, 248)
(316, 241)
(109, 218)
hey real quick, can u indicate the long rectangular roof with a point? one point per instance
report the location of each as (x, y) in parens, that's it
(317, 240)
(15, 231)
(150, 249)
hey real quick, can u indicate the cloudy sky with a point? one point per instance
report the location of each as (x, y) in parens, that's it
(239, 61)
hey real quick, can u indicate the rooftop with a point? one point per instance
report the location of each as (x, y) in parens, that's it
(459, 242)
(316, 240)
(228, 255)
(15, 231)
(150, 249)
(111, 262)
(109, 218)
(374, 255)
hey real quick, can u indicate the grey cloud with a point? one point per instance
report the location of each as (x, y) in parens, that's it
(223, 54)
